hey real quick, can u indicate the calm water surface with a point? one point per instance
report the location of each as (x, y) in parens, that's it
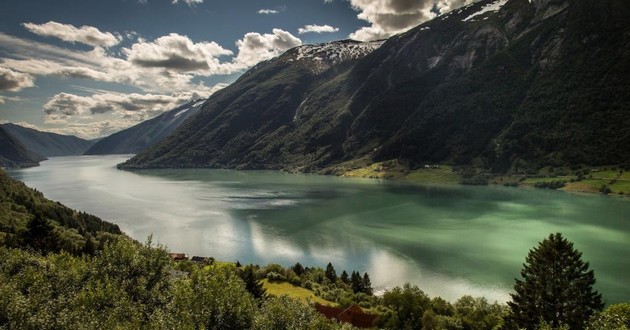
(450, 241)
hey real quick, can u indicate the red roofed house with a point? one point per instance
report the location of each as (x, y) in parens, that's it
(353, 315)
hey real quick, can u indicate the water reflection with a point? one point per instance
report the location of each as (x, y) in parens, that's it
(449, 241)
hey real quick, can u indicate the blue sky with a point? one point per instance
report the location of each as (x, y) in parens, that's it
(91, 68)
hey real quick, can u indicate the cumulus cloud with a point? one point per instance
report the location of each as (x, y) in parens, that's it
(317, 29)
(88, 35)
(389, 17)
(64, 105)
(13, 81)
(90, 116)
(256, 47)
(267, 11)
(190, 3)
(178, 53)
(168, 63)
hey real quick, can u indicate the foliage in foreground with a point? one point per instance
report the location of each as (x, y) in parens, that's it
(131, 286)
(557, 288)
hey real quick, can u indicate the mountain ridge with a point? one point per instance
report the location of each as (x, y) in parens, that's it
(530, 84)
(141, 136)
(14, 154)
(48, 144)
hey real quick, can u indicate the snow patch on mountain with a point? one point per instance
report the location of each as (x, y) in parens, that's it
(320, 57)
(493, 6)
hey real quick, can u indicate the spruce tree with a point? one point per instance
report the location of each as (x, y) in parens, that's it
(356, 282)
(298, 269)
(345, 278)
(366, 284)
(252, 285)
(331, 274)
(557, 288)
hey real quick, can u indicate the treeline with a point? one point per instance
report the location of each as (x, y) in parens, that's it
(29, 220)
(127, 285)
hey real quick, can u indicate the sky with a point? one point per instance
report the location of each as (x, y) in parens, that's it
(91, 68)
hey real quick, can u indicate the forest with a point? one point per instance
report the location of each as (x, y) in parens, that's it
(63, 269)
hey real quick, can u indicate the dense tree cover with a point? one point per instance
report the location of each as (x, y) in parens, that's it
(557, 288)
(614, 317)
(127, 285)
(28, 219)
(130, 286)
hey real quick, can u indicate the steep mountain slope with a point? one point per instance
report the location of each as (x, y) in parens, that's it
(139, 137)
(48, 144)
(14, 154)
(504, 84)
(64, 228)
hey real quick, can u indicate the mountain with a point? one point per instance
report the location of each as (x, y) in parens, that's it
(14, 154)
(139, 137)
(508, 85)
(48, 144)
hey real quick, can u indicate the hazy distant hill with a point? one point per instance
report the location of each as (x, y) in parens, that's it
(48, 144)
(139, 137)
(14, 154)
(508, 85)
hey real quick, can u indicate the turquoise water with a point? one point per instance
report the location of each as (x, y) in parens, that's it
(450, 241)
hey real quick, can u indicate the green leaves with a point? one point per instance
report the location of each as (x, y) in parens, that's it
(557, 288)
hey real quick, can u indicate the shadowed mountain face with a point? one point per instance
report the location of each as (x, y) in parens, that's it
(14, 154)
(48, 144)
(507, 85)
(139, 137)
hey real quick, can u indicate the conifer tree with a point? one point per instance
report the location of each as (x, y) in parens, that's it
(298, 269)
(252, 285)
(557, 288)
(331, 274)
(356, 282)
(366, 284)
(345, 278)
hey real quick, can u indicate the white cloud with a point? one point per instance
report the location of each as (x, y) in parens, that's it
(88, 35)
(91, 116)
(317, 29)
(178, 53)
(65, 105)
(5, 99)
(190, 3)
(267, 11)
(13, 81)
(389, 17)
(166, 64)
(256, 47)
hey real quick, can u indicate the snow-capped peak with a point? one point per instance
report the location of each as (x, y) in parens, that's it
(493, 6)
(323, 56)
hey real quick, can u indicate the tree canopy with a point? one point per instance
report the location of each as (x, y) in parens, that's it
(556, 289)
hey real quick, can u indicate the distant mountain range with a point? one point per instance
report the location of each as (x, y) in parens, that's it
(139, 137)
(48, 144)
(508, 85)
(14, 154)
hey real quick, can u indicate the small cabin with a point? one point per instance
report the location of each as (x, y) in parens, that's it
(353, 315)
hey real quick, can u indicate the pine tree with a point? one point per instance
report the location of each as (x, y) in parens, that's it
(331, 274)
(252, 285)
(345, 278)
(40, 235)
(557, 288)
(298, 269)
(356, 282)
(366, 284)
